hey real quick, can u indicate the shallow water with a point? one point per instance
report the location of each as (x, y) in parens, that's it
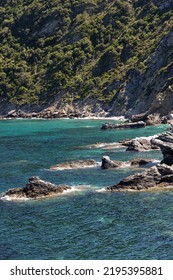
(86, 223)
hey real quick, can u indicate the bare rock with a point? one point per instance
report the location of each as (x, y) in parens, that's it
(107, 163)
(75, 164)
(165, 143)
(36, 188)
(126, 125)
(139, 181)
(140, 145)
(142, 162)
(160, 176)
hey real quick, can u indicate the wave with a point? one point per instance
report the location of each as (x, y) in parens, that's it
(101, 190)
(8, 198)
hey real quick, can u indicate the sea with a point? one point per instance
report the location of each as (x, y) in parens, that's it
(86, 223)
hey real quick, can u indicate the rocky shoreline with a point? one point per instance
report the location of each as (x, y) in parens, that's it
(158, 176)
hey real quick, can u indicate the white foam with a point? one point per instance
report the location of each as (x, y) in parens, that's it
(101, 190)
(148, 137)
(14, 198)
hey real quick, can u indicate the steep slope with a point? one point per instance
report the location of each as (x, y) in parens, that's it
(115, 53)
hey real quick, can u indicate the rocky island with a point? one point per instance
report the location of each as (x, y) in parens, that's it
(36, 188)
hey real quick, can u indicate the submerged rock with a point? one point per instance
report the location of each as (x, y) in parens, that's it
(75, 164)
(123, 125)
(36, 188)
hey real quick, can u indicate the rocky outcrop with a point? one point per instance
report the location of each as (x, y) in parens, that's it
(142, 162)
(126, 125)
(165, 143)
(75, 164)
(140, 144)
(36, 188)
(160, 176)
(107, 163)
(149, 119)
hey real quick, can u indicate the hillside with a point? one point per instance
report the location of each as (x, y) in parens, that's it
(116, 55)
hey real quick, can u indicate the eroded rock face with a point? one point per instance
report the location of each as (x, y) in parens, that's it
(155, 177)
(36, 188)
(165, 143)
(75, 164)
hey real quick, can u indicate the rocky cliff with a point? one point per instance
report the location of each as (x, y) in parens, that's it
(85, 57)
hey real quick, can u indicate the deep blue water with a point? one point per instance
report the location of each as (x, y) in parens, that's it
(86, 223)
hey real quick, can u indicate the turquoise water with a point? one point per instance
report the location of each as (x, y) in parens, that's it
(86, 223)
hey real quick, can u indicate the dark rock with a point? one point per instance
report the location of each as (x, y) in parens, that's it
(75, 164)
(123, 125)
(142, 162)
(107, 163)
(165, 143)
(36, 188)
(160, 176)
(139, 181)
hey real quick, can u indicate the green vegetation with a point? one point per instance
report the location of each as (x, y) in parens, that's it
(81, 49)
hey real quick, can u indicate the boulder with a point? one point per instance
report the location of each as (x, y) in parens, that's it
(107, 163)
(36, 188)
(75, 164)
(12, 114)
(123, 125)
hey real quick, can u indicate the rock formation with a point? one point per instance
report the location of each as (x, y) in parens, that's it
(165, 142)
(149, 119)
(159, 176)
(140, 144)
(75, 164)
(36, 188)
(125, 125)
(107, 163)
